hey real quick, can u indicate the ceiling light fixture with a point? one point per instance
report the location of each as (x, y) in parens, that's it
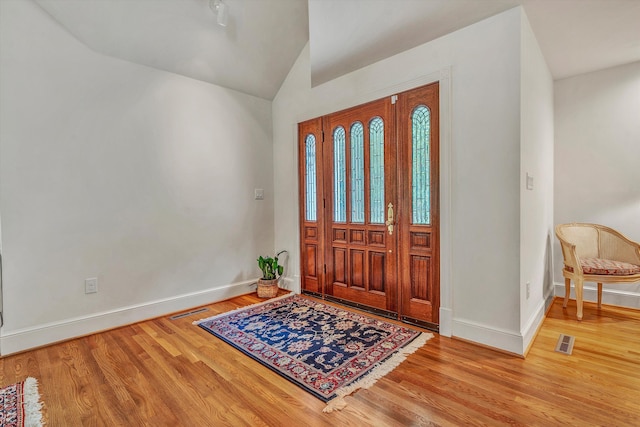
(221, 10)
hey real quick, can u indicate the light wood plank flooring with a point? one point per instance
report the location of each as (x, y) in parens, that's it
(166, 372)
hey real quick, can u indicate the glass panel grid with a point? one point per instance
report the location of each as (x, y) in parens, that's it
(376, 170)
(420, 167)
(310, 178)
(357, 173)
(339, 175)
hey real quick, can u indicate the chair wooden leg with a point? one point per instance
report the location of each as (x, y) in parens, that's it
(599, 296)
(579, 289)
(567, 292)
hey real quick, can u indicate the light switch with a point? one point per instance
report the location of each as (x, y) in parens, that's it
(259, 194)
(529, 182)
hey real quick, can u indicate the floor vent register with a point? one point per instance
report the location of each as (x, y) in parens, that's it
(188, 313)
(565, 344)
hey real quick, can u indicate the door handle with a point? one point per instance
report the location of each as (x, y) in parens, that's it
(389, 221)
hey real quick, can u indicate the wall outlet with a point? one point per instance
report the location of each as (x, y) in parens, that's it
(258, 194)
(91, 285)
(528, 289)
(529, 182)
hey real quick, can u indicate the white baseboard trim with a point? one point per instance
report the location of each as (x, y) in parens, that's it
(611, 294)
(288, 283)
(296, 285)
(502, 339)
(548, 299)
(531, 327)
(48, 333)
(446, 321)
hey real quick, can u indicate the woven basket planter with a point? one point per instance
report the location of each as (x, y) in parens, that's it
(267, 288)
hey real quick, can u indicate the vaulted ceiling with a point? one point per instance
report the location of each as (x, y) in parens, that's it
(575, 36)
(263, 38)
(252, 54)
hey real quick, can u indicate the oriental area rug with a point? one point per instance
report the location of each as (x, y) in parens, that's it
(20, 404)
(328, 351)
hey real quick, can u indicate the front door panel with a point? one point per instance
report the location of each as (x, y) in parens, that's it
(361, 258)
(418, 136)
(311, 205)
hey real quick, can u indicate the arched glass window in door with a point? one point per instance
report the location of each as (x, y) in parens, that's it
(310, 178)
(339, 175)
(376, 171)
(420, 166)
(357, 172)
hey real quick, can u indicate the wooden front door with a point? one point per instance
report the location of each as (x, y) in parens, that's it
(369, 192)
(359, 161)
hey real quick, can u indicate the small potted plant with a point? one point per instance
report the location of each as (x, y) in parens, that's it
(271, 272)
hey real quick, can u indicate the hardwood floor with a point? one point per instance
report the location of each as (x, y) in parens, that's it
(166, 372)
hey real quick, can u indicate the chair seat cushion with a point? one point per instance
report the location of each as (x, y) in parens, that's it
(606, 267)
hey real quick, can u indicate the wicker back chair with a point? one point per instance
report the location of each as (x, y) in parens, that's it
(595, 253)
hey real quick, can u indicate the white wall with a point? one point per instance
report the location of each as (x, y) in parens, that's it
(138, 177)
(484, 142)
(597, 161)
(536, 204)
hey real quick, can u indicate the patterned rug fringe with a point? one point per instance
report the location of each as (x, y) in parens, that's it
(378, 372)
(196, 322)
(32, 404)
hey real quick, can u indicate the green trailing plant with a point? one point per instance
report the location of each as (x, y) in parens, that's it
(270, 267)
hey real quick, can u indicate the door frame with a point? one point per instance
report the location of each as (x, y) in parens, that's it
(372, 92)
